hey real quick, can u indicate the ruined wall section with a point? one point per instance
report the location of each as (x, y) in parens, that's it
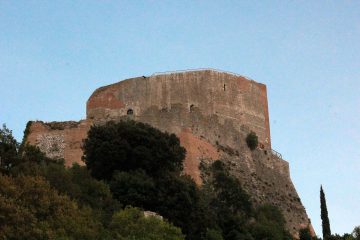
(60, 139)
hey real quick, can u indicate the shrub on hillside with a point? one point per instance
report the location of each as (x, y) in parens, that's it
(252, 140)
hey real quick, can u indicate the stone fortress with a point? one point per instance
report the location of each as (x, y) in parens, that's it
(210, 111)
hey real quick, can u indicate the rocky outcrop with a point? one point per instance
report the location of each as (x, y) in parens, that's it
(210, 111)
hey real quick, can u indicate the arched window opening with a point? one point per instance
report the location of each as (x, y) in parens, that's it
(130, 111)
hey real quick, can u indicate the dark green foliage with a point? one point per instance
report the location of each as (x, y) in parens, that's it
(348, 236)
(229, 205)
(141, 167)
(228, 190)
(233, 213)
(212, 234)
(172, 196)
(12, 154)
(77, 183)
(304, 234)
(8, 149)
(270, 223)
(134, 188)
(31, 209)
(356, 233)
(324, 216)
(128, 146)
(252, 140)
(335, 237)
(178, 200)
(269, 213)
(130, 223)
(230, 193)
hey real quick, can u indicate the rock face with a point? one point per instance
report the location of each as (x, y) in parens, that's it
(210, 111)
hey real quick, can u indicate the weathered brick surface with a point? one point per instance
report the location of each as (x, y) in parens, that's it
(210, 111)
(197, 149)
(60, 139)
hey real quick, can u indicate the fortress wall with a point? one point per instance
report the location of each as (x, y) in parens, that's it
(211, 112)
(60, 139)
(231, 98)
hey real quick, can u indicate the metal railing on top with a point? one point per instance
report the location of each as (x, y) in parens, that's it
(199, 69)
(277, 154)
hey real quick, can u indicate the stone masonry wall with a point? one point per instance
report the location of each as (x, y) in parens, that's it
(226, 96)
(60, 139)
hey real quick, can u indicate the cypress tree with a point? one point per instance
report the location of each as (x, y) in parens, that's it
(324, 216)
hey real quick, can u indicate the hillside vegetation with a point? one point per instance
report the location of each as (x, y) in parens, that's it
(130, 167)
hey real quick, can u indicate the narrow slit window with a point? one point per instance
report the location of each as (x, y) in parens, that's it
(224, 87)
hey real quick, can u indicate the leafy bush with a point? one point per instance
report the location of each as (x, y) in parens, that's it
(131, 223)
(252, 140)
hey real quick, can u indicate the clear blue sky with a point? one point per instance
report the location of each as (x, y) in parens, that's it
(53, 54)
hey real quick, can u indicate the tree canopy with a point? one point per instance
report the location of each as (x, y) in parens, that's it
(31, 209)
(130, 145)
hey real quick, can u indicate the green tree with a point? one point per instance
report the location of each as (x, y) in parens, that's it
(143, 168)
(178, 200)
(134, 188)
(270, 224)
(131, 223)
(8, 148)
(76, 182)
(356, 233)
(31, 209)
(348, 236)
(335, 237)
(324, 216)
(130, 145)
(12, 154)
(228, 190)
(229, 204)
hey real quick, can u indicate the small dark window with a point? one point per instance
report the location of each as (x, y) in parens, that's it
(192, 107)
(130, 111)
(224, 87)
